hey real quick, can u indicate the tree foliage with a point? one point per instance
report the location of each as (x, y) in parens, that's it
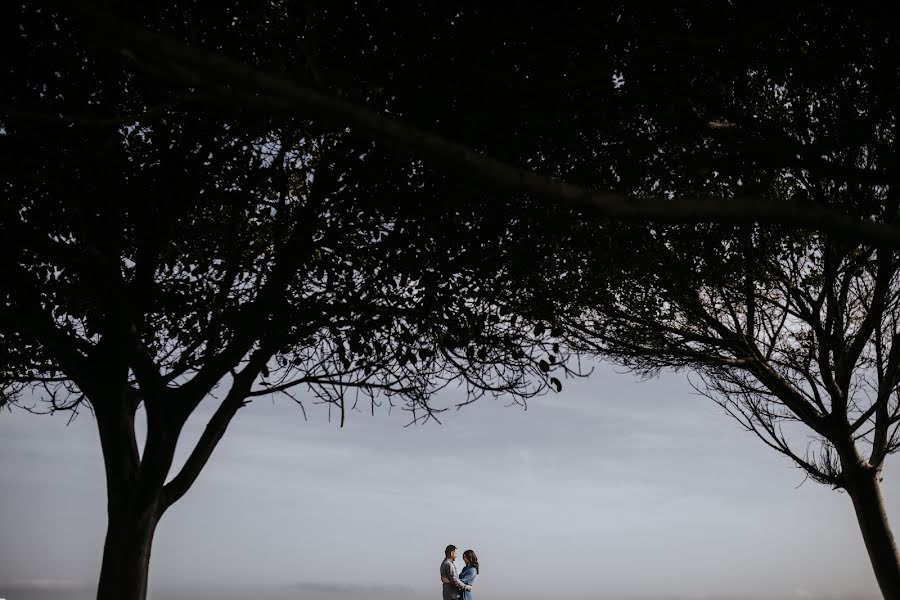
(189, 235)
(365, 197)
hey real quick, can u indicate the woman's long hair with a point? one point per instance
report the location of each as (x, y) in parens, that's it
(470, 559)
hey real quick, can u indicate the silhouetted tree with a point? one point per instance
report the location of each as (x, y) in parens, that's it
(795, 333)
(796, 337)
(150, 267)
(153, 255)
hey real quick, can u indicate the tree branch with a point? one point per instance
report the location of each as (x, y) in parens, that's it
(215, 428)
(283, 95)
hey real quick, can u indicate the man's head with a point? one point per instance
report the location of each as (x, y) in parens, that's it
(450, 552)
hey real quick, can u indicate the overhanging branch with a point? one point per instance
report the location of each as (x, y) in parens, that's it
(255, 87)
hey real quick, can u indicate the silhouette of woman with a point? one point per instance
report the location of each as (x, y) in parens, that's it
(467, 575)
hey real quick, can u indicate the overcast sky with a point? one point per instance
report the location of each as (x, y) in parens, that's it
(613, 489)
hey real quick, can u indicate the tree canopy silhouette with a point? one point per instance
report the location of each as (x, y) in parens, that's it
(355, 196)
(554, 114)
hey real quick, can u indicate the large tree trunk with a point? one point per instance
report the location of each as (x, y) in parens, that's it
(865, 492)
(134, 495)
(137, 494)
(126, 553)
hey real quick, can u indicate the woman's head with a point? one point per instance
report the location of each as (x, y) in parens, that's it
(471, 560)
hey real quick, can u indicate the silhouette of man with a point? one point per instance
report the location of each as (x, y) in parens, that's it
(454, 589)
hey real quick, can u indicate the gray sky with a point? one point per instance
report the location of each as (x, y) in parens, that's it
(615, 488)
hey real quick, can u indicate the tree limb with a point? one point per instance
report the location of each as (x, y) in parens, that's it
(277, 93)
(215, 428)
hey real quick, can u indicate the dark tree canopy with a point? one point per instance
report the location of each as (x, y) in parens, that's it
(191, 231)
(359, 196)
(558, 102)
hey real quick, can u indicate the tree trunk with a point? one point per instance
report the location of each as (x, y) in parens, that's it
(136, 491)
(134, 499)
(865, 492)
(126, 553)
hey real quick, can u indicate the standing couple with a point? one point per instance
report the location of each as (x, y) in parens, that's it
(458, 587)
